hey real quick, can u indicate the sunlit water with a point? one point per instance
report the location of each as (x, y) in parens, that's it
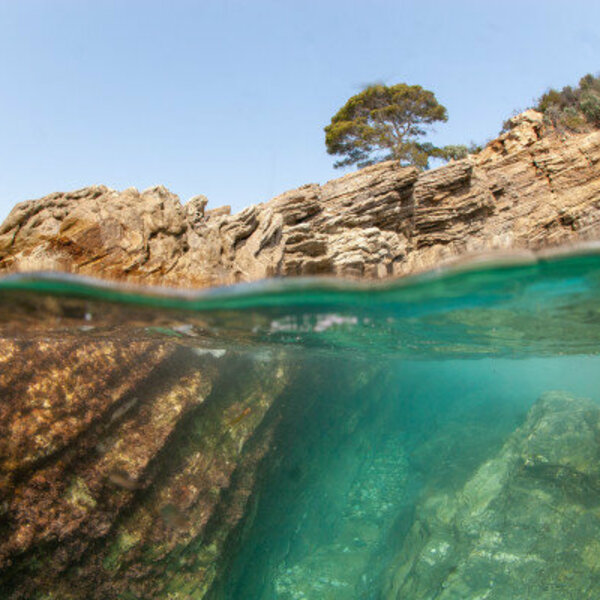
(406, 391)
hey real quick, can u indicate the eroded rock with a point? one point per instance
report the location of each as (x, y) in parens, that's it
(528, 189)
(125, 464)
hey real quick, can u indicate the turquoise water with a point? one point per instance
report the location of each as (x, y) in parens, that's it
(438, 437)
(357, 467)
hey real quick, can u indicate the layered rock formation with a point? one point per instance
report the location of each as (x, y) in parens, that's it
(131, 465)
(131, 455)
(524, 191)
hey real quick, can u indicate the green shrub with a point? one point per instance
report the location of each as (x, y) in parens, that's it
(573, 109)
(454, 152)
(590, 106)
(589, 83)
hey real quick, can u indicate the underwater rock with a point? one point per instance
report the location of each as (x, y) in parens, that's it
(124, 467)
(529, 189)
(525, 525)
(346, 564)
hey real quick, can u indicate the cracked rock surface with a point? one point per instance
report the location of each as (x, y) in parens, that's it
(528, 189)
(124, 467)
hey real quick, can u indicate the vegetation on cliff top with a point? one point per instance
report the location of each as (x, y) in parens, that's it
(388, 122)
(383, 123)
(572, 108)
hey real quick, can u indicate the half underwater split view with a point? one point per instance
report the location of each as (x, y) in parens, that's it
(299, 300)
(433, 437)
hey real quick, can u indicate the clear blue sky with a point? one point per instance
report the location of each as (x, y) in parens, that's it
(229, 98)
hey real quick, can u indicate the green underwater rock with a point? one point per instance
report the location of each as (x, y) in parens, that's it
(525, 525)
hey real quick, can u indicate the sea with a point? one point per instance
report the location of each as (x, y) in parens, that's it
(439, 437)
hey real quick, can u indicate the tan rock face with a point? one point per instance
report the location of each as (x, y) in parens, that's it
(524, 191)
(127, 465)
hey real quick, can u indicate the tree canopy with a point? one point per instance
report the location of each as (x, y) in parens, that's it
(384, 123)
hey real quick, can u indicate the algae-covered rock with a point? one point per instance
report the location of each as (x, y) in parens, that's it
(525, 525)
(124, 466)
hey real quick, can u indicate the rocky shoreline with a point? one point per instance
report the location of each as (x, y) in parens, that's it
(528, 189)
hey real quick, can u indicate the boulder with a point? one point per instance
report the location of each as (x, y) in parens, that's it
(525, 525)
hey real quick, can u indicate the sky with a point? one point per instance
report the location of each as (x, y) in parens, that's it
(228, 98)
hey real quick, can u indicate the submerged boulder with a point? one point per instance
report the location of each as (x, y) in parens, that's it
(125, 464)
(525, 525)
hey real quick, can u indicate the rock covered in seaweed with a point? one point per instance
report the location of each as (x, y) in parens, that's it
(124, 465)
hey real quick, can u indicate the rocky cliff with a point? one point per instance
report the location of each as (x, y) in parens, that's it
(525, 190)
